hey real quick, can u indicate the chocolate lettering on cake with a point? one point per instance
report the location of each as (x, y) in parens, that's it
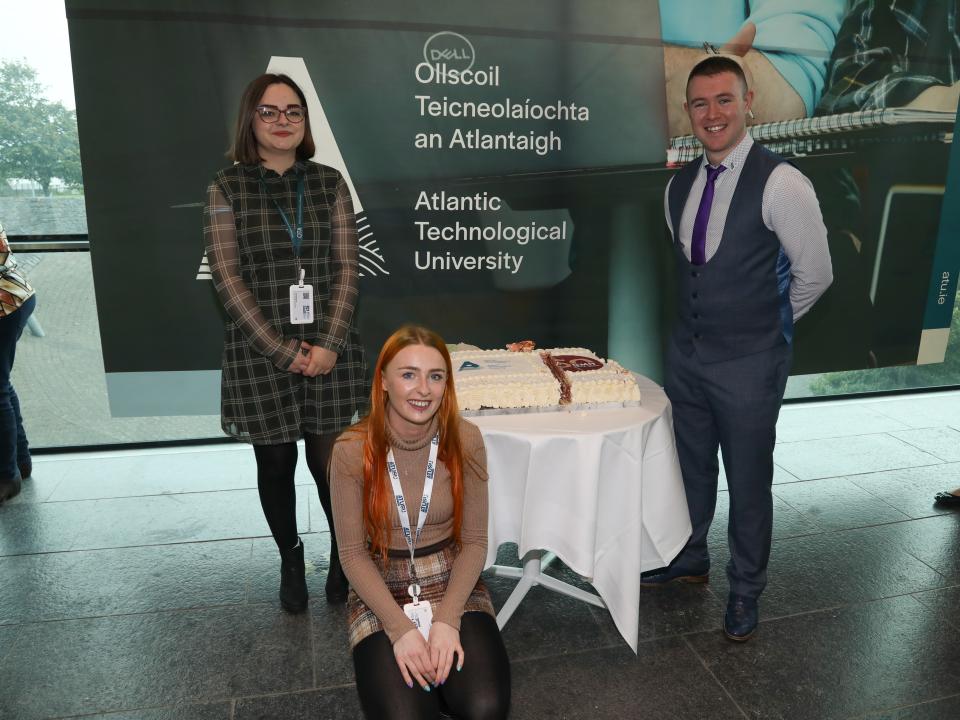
(577, 363)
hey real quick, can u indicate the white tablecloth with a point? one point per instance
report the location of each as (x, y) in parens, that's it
(600, 488)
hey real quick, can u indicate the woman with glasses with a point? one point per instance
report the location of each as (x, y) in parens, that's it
(17, 300)
(410, 501)
(282, 245)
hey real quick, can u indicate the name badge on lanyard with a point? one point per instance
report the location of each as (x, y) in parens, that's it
(418, 611)
(301, 295)
(301, 302)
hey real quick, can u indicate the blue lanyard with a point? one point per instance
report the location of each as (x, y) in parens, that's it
(296, 236)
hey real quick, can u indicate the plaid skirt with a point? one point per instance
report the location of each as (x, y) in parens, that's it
(433, 574)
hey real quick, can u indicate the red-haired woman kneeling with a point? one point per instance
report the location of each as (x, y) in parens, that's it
(410, 512)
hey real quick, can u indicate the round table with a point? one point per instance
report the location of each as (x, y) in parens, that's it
(601, 489)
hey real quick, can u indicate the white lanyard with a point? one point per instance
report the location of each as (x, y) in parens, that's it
(412, 540)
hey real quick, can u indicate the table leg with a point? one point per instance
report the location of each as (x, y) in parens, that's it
(530, 575)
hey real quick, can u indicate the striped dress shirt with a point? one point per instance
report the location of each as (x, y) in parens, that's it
(790, 209)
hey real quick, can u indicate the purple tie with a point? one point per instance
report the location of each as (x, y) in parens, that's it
(698, 248)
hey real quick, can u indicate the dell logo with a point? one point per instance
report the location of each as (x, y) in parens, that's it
(451, 49)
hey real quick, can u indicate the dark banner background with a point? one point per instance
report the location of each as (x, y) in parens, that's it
(157, 87)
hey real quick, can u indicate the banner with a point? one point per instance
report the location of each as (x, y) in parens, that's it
(507, 163)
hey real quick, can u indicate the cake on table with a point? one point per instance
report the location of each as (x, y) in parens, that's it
(523, 378)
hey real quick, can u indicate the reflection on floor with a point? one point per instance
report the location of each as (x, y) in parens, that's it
(139, 585)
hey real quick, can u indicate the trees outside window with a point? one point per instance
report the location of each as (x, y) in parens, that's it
(38, 137)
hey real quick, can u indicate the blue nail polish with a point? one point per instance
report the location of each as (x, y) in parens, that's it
(410, 684)
(427, 688)
(459, 668)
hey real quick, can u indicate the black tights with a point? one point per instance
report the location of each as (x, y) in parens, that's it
(276, 466)
(481, 691)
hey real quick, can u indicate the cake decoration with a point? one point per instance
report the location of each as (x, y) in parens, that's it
(520, 380)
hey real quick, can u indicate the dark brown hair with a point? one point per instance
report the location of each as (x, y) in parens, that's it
(715, 65)
(244, 148)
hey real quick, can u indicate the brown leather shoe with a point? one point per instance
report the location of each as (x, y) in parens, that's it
(676, 574)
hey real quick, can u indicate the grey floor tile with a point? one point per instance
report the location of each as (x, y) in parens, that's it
(608, 628)
(923, 411)
(332, 657)
(94, 583)
(884, 657)
(168, 472)
(655, 684)
(838, 504)
(38, 488)
(336, 704)
(933, 540)
(159, 472)
(942, 709)
(911, 490)
(832, 569)
(815, 422)
(153, 660)
(812, 459)
(795, 581)
(39, 527)
(835, 664)
(500, 588)
(782, 476)
(943, 442)
(885, 569)
(678, 609)
(8, 634)
(205, 711)
(122, 522)
(944, 603)
(547, 623)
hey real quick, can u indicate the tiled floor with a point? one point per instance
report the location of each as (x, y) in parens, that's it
(140, 586)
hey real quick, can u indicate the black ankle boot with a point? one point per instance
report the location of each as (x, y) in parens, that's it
(293, 582)
(10, 488)
(25, 467)
(336, 586)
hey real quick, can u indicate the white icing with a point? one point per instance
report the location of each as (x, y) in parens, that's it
(502, 379)
(505, 380)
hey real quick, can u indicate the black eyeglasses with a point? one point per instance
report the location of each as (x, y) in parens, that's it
(271, 113)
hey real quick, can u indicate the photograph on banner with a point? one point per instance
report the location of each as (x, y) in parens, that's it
(862, 97)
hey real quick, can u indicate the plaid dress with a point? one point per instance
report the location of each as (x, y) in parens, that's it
(253, 265)
(433, 575)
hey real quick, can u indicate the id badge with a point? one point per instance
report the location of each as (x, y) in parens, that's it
(301, 304)
(422, 616)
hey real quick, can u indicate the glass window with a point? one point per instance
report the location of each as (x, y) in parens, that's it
(41, 184)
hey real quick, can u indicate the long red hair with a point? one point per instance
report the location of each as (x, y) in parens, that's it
(377, 493)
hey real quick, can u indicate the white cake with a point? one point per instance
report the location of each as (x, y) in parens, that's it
(592, 379)
(502, 379)
(545, 379)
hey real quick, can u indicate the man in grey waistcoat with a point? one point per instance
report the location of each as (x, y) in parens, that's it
(751, 257)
